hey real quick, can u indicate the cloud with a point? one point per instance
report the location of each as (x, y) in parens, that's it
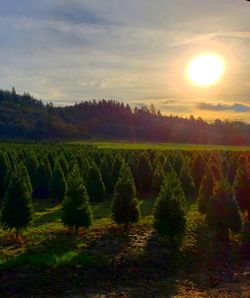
(236, 107)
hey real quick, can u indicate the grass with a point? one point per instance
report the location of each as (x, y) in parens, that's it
(49, 260)
(159, 146)
(46, 242)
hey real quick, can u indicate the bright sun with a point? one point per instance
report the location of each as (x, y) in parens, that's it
(206, 69)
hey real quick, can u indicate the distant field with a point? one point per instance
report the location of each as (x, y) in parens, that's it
(160, 146)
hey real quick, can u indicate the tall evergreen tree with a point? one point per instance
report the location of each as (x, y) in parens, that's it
(223, 211)
(17, 207)
(95, 185)
(169, 209)
(125, 206)
(58, 184)
(76, 210)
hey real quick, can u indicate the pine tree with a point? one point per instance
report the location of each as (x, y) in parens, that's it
(205, 191)
(241, 188)
(76, 210)
(106, 176)
(223, 211)
(144, 172)
(4, 173)
(95, 185)
(187, 181)
(199, 168)
(58, 184)
(17, 207)
(43, 180)
(169, 210)
(125, 206)
(158, 178)
(32, 165)
(116, 167)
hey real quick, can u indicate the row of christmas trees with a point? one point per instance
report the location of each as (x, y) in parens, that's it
(76, 179)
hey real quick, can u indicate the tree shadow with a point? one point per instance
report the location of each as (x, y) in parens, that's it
(51, 215)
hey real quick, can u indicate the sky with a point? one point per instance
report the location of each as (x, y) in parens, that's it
(135, 51)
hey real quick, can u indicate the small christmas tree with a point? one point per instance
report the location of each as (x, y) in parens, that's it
(17, 207)
(241, 188)
(205, 191)
(76, 210)
(4, 173)
(169, 214)
(58, 185)
(106, 176)
(125, 206)
(157, 178)
(42, 186)
(95, 185)
(223, 211)
(144, 173)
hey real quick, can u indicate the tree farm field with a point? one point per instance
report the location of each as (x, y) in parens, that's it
(169, 243)
(105, 144)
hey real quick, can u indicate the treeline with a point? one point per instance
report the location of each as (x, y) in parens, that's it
(22, 116)
(78, 175)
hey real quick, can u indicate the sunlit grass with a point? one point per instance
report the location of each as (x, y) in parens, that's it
(47, 242)
(159, 146)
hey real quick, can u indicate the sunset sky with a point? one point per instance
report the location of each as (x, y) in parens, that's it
(136, 51)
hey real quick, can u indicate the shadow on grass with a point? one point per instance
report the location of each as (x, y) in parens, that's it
(48, 216)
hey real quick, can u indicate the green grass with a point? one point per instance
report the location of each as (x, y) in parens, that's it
(106, 256)
(46, 242)
(159, 146)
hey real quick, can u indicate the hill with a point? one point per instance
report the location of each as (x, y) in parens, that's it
(24, 117)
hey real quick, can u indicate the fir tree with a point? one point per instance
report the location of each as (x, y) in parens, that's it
(58, 185)
(223, 211)
(187, 181)
(241, 188)
(199, 168)
(158, 178)
(32, 165)
(76, 210)
(95, 185)
(43, 180)
(116, 167)
(125, 206)
(169, 214)
(4, 173)
(106, 176)
(17, 207)
(144, 172)
(205, 191)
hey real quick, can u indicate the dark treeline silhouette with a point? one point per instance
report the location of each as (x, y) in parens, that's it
(22, 116)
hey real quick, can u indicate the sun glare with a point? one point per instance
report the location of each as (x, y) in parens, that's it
(206, 69)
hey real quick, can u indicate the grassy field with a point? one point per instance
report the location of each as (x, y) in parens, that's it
(48, 260)
(160, 146)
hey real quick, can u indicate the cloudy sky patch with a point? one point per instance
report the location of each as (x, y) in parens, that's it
(133, 51)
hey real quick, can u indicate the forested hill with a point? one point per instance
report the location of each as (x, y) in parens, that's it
(22, 116)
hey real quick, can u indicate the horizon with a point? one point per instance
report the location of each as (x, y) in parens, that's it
(136, 53)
